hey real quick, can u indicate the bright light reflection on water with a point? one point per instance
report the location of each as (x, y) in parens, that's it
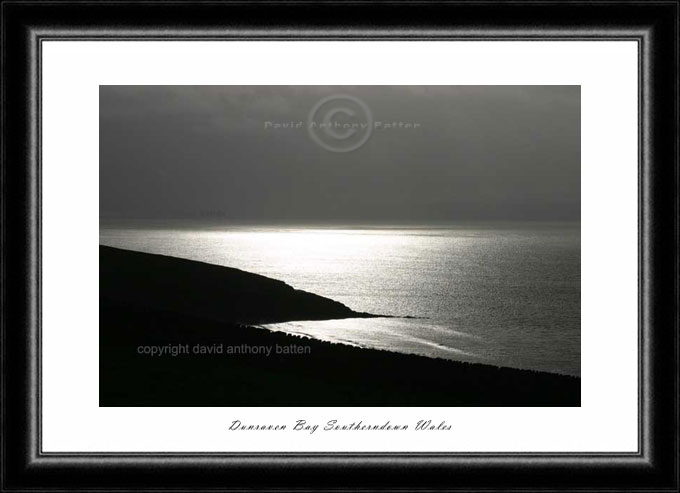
(505, 295)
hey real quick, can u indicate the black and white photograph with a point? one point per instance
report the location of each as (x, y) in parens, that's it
(339, 246)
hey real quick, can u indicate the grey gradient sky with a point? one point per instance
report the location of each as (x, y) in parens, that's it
(479, 153)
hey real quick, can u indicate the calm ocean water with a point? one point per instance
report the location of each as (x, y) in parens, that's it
(507, 295)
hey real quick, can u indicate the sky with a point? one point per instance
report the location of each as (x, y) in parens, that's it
(339, 154)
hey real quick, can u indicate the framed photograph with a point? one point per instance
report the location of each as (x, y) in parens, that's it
(361, 246)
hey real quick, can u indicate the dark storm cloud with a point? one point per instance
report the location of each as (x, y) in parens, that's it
(479, 152)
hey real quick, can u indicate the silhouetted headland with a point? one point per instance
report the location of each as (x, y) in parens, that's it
(208, 291)
(201, 318)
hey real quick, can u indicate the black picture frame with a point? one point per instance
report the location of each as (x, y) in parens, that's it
(653, 24)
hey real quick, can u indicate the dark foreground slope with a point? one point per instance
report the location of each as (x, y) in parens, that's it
(153, 301)
(208, 291)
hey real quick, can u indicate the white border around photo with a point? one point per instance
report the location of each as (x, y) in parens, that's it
(607, 72)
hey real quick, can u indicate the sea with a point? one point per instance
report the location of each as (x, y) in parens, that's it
(504, 294)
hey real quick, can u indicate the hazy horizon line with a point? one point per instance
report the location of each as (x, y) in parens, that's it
(407, 224)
